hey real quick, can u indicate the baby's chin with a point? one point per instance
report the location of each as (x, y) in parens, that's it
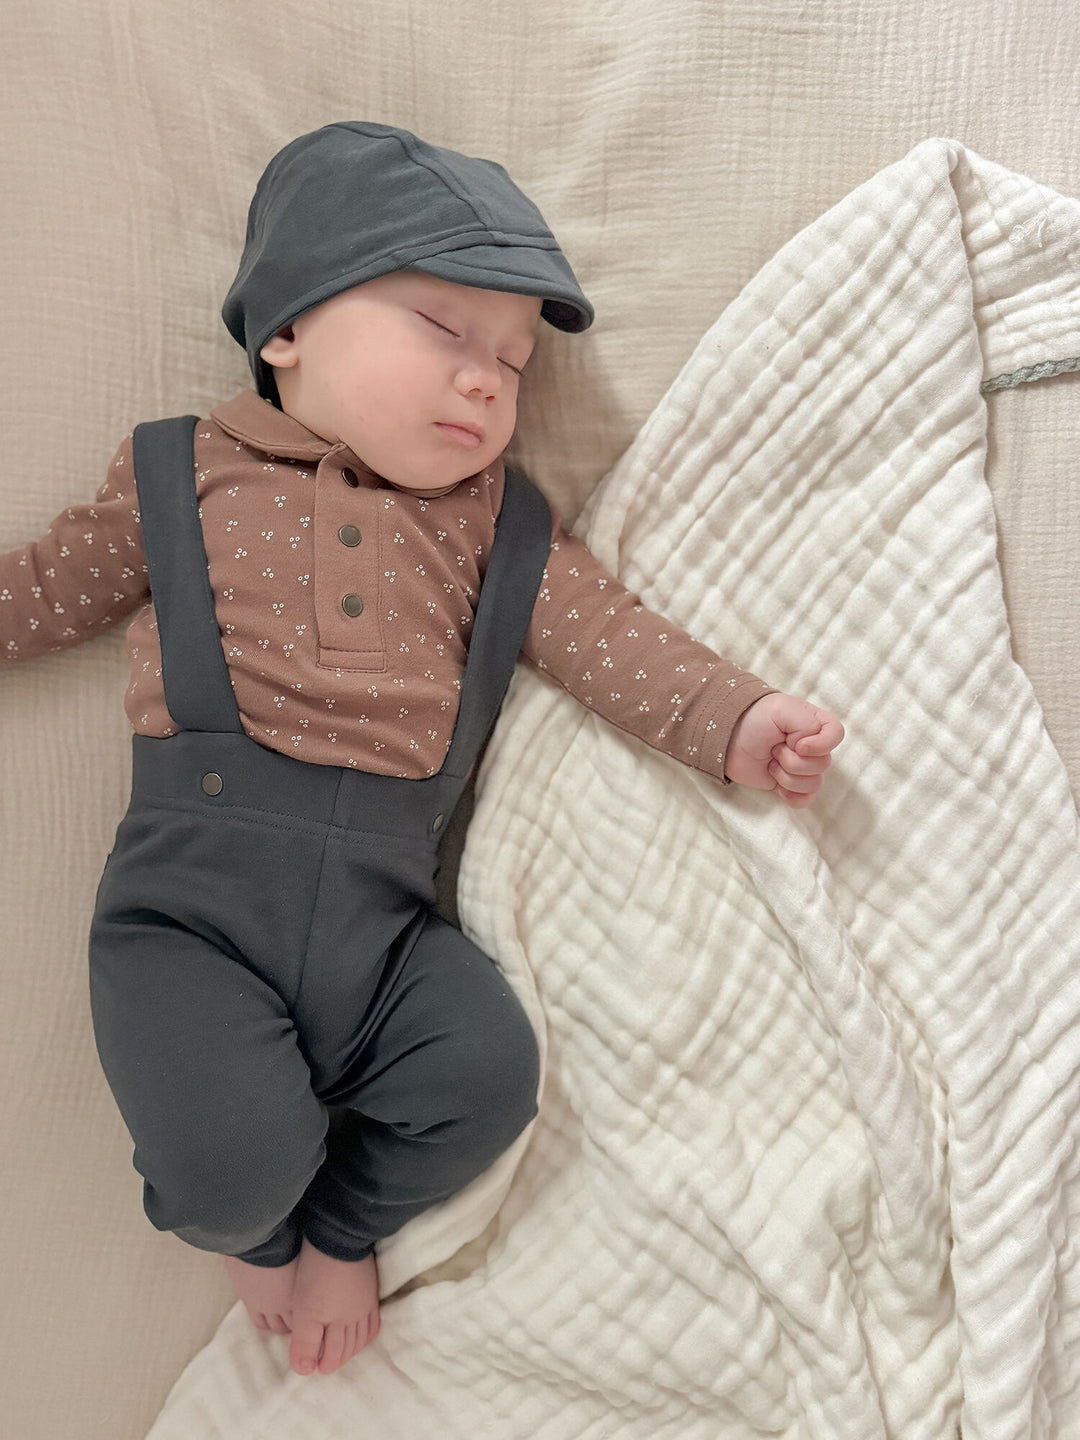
(420, 492)
(428, 484)
(429, 476)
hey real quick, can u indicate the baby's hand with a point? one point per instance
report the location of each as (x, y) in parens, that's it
(782, 743)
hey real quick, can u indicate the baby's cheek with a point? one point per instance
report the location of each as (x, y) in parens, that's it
(505, 429)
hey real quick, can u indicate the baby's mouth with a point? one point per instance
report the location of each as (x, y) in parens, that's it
(471, 436)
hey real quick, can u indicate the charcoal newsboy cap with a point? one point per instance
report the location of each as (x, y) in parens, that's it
(354, 200)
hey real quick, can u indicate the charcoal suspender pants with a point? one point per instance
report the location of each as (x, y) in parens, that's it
(297, 1043)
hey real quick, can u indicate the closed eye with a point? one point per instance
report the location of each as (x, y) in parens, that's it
(517, 369)
(438, 325)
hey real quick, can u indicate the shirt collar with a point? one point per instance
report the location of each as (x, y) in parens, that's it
(260, 424)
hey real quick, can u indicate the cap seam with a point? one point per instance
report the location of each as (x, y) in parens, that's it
(434, 167)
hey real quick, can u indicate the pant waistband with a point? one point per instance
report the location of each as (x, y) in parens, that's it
(229, 772)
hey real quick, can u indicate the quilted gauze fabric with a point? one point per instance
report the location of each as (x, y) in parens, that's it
(806, 1164)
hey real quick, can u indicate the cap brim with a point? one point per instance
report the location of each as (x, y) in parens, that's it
(532, 272)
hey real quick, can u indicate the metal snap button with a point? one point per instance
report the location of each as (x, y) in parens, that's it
(349, 535)
(351, 478)
(352, 605)
(436, 824)
(212, 783)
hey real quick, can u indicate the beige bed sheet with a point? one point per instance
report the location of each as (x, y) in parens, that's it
(674, 147)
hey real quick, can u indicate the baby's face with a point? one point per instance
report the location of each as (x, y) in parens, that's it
(416, 375)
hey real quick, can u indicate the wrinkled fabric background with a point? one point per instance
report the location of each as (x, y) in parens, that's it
(673, 149)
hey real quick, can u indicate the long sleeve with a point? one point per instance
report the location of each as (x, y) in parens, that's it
(639, 671)
(86, 573)
(260, 478)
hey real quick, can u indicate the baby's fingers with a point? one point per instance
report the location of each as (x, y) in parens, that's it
(823, 740)
(795, 789)
(796, 764)
(794, 783)
(793, 800)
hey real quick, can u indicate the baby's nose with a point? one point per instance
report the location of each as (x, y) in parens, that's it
(477, 375)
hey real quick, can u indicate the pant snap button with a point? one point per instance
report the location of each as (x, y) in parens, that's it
(212, 783)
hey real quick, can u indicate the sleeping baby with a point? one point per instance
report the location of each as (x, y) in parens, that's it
(331, 578)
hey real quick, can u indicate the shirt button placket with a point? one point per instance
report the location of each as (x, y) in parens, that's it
(349, 535)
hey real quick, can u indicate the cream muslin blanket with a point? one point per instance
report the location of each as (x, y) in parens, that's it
(806, 1163)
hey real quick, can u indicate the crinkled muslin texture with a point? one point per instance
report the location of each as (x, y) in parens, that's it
(806, 1163)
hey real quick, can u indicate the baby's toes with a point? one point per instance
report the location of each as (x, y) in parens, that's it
(335, 1349)
(355, 1338)
(307, 1342)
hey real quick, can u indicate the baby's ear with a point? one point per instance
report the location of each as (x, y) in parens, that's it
(280, 350)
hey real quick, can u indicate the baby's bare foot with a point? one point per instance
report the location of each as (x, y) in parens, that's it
(266, 1292)
(335, 1310)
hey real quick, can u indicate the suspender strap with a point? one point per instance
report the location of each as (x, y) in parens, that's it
(198, 691)
(515, 568)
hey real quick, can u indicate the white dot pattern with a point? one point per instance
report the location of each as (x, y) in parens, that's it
(353, 653)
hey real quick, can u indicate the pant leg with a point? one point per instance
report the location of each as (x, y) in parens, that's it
(448, 1080)
(203, 1061)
